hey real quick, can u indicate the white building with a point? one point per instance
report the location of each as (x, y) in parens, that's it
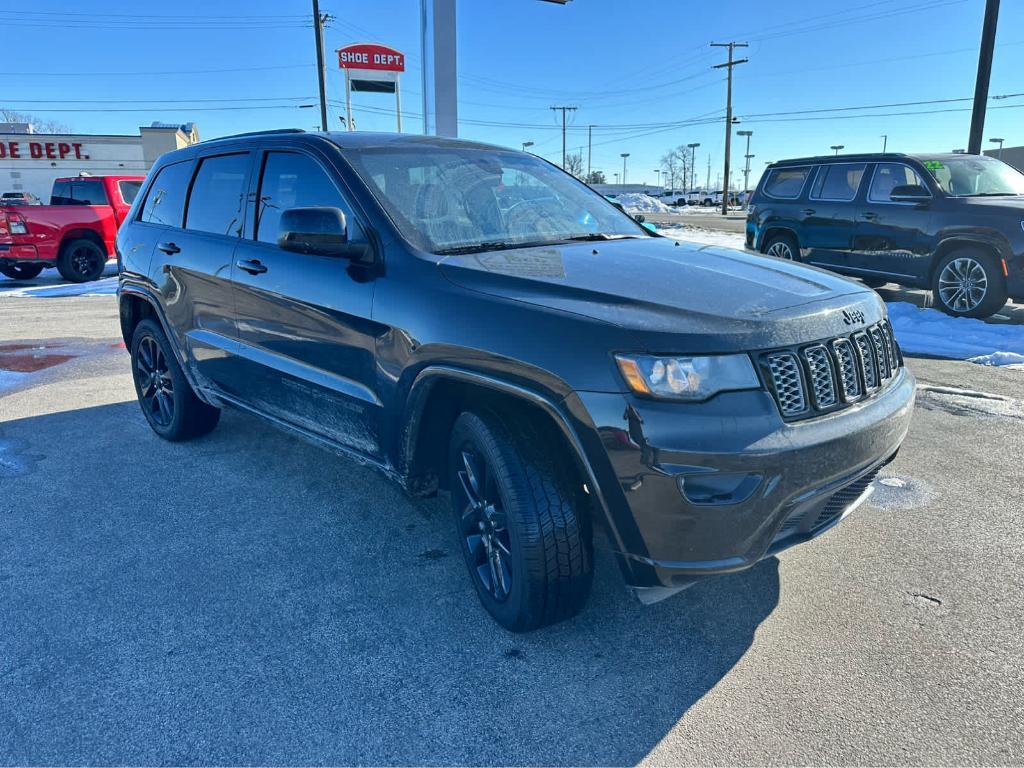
(30, 161)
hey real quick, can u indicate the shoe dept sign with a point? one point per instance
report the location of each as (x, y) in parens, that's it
(372, 68)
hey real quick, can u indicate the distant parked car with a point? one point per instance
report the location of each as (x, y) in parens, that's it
(951, 223)
(19, 198)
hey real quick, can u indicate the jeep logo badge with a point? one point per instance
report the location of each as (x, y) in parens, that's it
(853, 316)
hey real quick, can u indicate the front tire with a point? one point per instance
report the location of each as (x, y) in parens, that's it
(81, 261)
(782, 246)
(969, 283)
(528, 552)
(165, 396)
(22, 271)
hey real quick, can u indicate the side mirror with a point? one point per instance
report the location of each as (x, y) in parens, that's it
(315, 231)
(909, 193)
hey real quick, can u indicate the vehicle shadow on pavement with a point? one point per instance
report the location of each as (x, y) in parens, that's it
(249, 598)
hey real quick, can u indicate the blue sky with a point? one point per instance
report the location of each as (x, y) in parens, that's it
(639, 71)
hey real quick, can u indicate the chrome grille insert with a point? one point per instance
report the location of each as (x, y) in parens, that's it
(849, 378)
(878, 343)
(789, 387)
(822, 379)
(867, 360)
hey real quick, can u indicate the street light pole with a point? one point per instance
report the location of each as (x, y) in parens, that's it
(624, 156)
(837, 147)
(658, 177)
(527, 144)
(999, 154)
(885, 142)
(693, 167)
(747, 156)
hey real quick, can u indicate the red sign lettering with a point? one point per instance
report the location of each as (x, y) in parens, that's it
(37, 150)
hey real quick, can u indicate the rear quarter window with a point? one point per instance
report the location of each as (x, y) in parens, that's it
(786, 183)
(129, 190)
(165, 201)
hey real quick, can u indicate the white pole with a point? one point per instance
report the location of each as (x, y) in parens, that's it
(398, 102)
(440, 87)
(348, 101)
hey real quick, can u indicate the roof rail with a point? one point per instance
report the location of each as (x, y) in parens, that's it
(256, 133)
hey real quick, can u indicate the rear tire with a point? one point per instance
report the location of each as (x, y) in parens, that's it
(22, 271)
(782, 246)
(969, 282)
(81, 261)
(528, 553)
(165, 396)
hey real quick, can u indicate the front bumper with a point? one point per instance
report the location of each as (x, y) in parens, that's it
(692, 490)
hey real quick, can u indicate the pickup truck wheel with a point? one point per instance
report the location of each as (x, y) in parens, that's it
(782, 246)
(528, 553)
(167, 400)
(969, 283)
(81, 261)
(22, 271)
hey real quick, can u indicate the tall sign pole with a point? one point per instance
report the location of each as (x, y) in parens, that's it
(728, 65)
(988, 46)
(440, 84)
(318, 27)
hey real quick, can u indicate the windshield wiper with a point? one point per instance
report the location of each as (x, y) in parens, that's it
(600, 236)
(993, 194)
(491, 245)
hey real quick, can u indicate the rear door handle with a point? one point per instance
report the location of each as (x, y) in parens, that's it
(169, 248)
(252, 266)
(870, 216)
(808, 211)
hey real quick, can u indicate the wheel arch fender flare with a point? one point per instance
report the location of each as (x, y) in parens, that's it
(993, 242)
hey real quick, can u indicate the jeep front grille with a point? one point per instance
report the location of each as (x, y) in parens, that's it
(832, 374)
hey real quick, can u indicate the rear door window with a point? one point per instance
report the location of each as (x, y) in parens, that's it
(165, 201)
(838, 182)
(61, 194)
(786, 183)
(215, 203)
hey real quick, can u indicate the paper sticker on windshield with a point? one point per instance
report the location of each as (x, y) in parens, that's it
(933, 165)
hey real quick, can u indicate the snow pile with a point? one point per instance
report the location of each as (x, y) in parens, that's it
(703, 236)
(640, 203)
(26, 290)
(931, 332)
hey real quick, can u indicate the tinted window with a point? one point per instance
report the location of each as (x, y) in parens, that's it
(786, 182)
(292, 180)
(61, 194)
(215, 203)
(165, 201)
(129, 190)
(838, 182)
(79, 192)
(887, 177)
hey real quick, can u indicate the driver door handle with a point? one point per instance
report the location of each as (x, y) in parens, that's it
(808, 211)
(252, 266)
(169, 248)
(870, 215)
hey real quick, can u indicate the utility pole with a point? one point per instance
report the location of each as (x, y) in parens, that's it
(318, 28)
(590, 145)
(728, 65)
(988, 46)
(563, 110)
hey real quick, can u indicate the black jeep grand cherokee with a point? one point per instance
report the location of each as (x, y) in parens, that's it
(472, 319)
(950, 223)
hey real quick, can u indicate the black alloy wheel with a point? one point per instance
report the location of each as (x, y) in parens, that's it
(156, 387)
(21, 271)
(484, 526)
(81, 261)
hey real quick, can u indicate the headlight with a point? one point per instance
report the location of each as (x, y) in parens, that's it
(687, 378)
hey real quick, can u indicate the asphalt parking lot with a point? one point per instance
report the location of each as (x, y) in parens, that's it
(251, 599)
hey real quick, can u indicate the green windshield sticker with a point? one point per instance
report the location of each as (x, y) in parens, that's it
(933, 165)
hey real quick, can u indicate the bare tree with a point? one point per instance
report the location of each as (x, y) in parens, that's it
(41, 125)
(574, 164)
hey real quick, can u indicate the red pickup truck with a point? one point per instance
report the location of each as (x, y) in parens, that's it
(74, 233)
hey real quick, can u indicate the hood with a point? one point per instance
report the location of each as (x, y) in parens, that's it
(995, 204)
(676, 296)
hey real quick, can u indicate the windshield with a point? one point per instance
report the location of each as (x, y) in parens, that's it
(458, 199)
(975, 176)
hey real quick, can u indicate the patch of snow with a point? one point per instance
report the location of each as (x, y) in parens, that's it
(641, 203)
(704, 236)
(931, 332)
(106, 286)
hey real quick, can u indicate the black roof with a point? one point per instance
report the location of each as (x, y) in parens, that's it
(869, 157)
(364, 139)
